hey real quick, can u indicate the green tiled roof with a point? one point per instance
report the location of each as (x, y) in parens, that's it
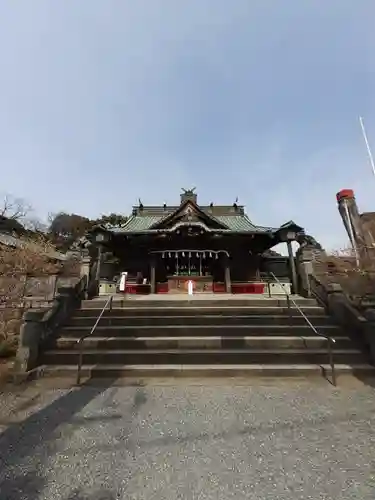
(236, 223)
(136, 223)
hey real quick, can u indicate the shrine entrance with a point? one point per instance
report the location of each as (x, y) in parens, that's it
(203, 267)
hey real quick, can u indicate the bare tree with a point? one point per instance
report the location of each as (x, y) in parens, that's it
(15, 208)
(17, 214)
(35, 225)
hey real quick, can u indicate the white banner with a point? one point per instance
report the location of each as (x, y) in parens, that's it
(123, 278)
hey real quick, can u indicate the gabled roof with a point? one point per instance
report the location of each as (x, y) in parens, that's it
(212, 218)
(229, 223)
(291, 226)
(189, 212)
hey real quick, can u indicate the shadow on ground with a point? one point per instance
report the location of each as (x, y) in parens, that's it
(21, 443)
(98, 495)
(365, 379)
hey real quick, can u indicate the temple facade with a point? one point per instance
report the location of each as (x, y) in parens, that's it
(217, 247)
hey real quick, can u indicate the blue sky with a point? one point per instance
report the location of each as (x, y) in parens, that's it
(103, 102)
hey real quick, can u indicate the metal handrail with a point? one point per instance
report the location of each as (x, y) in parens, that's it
(329, 340)
(86, 335)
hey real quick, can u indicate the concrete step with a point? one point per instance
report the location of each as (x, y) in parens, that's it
(224, 310)
(196, 301)
(212, 342)
(206, 319)
(201, 371)
(199, 356)
(198, 330)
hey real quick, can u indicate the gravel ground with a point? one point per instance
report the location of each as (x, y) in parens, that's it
(291, 441)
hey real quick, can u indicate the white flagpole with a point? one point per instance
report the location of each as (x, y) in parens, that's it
(367, 145)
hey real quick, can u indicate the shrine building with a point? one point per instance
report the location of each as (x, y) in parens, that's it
(218, 247)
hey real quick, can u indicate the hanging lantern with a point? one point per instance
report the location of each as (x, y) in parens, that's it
(189, 255)
(210, 255)
(216, 256)
(169, 255)
(197, 255)
(204, 255)
(183, 254)
(163, 255)
(176, 255)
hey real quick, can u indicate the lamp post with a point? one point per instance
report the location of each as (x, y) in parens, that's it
(289, 237)
(99, 238)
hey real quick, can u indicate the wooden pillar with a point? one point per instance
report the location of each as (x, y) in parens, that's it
(228, 284)
(292, 265)
(153, 275)
(257, 264)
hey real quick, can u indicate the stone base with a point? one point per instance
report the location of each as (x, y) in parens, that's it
(106, 288)
(279, 288)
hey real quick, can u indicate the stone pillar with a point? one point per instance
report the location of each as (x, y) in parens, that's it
(304, 270)
(369, 330)
(228, 284)
(85, 266)
(85, 271)
(306, 258)
(31, 336)
(292, 265)
(153, 275)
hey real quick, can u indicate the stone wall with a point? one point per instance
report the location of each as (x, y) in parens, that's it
(40, 326)
(357, 282)
(10, 323)
(356, 318)
(28, 293)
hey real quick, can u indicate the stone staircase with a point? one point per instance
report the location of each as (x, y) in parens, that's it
(200, 338)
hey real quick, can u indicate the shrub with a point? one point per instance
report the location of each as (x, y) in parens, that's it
(357, 281)
(32, 257)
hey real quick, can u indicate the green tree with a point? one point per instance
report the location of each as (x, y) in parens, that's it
(112, 220)
(65, 228)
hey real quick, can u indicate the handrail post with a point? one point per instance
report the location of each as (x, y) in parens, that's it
(110, 310)
(80, 359)
(331, 362)
(83, 337)
(289, 309)
(330, 340)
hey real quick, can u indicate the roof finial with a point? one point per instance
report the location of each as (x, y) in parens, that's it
(188, 194)
(188, 191)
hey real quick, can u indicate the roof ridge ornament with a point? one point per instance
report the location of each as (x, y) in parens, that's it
(188, 191)
(188, 195)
